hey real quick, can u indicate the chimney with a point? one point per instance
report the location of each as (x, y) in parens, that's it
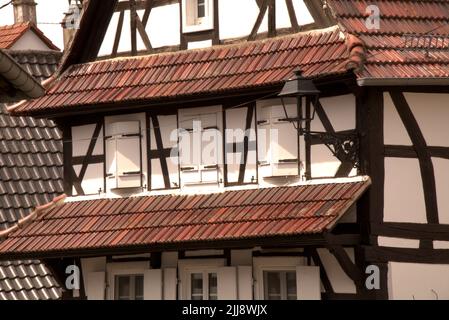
(70, 23)
(24, 11)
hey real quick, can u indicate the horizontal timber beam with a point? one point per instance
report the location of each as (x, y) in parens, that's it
(396, 151)
(412, 230)
(384, 254)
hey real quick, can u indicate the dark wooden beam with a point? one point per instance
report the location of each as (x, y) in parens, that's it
(348, 266)
(323, 274)
(67, 156)
(133, 21)
(118, 34)
(438, 232)
(385, 254)
(89, 38)
(424, 156)
(143, 4)
(262, 11)
(272, 18)
(292, 15)
(398, 151)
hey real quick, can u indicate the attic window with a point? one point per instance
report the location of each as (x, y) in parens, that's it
(197, 15)
(123, 155)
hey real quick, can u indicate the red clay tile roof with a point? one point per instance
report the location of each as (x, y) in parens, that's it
(206, 71)
(11, 34)
(87, 227)
(398, 48)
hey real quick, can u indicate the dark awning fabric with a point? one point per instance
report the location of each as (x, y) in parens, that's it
(170, 222)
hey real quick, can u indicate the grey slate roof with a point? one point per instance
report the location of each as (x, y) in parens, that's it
(30, 175)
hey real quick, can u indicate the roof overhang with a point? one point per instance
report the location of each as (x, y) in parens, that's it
(385, 82)
(296, 216)
(22, 84)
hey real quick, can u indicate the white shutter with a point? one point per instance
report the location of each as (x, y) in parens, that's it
(245, 282)
(308, 284)
(170, 283)
(152, 284)
(111, 163)
(128, 162)
(95, 285)
(227, 283)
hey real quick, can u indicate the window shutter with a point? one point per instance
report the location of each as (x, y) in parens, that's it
(170, 283)
(308, 283)
(128, 162)
(245, 282)
(227, 283)
(95, 285)
(152, 284)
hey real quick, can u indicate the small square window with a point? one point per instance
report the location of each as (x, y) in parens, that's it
(197, 15)
(129, 287)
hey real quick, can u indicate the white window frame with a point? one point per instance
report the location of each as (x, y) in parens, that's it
(205, 272)
(283, 279)
(188, 266)
(132, 278)
(190, 20)
(262, 264)
(123, 269)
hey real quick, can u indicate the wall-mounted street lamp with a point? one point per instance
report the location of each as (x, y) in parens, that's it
(307, 95)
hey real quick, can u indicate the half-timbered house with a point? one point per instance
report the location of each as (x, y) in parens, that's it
(250, 149)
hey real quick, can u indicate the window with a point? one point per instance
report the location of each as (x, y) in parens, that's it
(123, 155)
(129, 287)
(277, 140)
(197, 15)
(280, 285)
(203, 286)
(199, 149)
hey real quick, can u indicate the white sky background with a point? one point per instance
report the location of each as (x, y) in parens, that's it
(48, 11)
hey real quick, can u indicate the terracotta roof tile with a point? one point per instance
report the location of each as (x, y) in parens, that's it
(9, 35)
(204, 71)
(172, 219)
(412, 41)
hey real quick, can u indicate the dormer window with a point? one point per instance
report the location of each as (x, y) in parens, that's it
(197, 15)
(123, 155)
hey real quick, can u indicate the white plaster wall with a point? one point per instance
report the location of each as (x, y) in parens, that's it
(398, 242)
(441, 168)
(341, 113)
(431, 110)
(30, 41)
(409, 281)
(341, 283)
(404, 196)
(237, 18)
(394, 130)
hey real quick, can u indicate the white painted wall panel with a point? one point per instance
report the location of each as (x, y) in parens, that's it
(394, 130)
(338, 278)
(404, 196)
(441, 168)
(432, 113)
(418, 281)
(30, 41)
(398, 242)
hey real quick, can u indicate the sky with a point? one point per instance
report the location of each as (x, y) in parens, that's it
(49, 16)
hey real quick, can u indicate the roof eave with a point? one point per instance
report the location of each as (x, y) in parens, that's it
(378, 82)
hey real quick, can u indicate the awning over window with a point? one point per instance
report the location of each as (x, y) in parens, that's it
(297, 215)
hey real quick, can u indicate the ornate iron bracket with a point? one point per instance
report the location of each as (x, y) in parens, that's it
(343, 145)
